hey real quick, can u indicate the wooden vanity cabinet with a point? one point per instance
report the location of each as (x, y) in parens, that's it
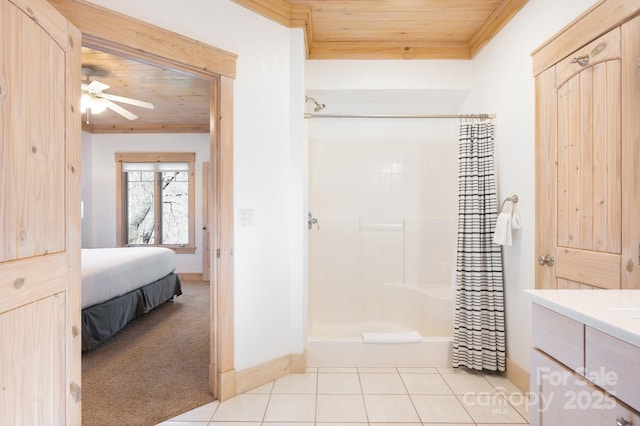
(593, 379)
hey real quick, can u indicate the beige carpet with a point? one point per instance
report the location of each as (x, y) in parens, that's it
(153, 369)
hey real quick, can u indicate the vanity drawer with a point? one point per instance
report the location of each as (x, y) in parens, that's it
(559, 336)
(614, 365)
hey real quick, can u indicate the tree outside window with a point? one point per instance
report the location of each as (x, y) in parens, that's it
(155, 201)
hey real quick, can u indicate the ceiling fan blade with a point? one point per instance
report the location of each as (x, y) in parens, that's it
(117, 108)
(97, 86)
(124, 100)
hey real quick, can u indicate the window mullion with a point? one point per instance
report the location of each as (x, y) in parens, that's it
(158, 206)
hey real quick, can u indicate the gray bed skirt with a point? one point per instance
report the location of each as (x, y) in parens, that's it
(101, 321)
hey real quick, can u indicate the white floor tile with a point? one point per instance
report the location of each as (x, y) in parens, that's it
(340, 408)
(200, 414)
(337, 370)
(291, 408)
(286, 424)
(341, 424)
(502, 384)
(234, 424)
(490, 409)
(245, 407)
(521, 403)
(422, 370)
(390, 408)
(339, 383)
(370, 397)
(296, 383)
(462, 384)
(378, 370)
(387, 384)
(425, 384)
(266, 388)
(440, 409)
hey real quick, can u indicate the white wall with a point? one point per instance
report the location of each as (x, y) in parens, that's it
(504, 84)
(268, 96)
(99, 184)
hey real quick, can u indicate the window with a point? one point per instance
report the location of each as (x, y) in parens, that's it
(155, 200)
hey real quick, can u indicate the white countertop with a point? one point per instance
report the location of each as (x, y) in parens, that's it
(616, 312)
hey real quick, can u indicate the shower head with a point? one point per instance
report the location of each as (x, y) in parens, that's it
(318, 106)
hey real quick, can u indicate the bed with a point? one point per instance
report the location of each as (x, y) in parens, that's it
(120, 284)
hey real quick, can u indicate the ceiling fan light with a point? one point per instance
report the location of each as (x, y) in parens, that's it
(85, 102)
(98, 106)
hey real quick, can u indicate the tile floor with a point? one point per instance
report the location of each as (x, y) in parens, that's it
(370, 396)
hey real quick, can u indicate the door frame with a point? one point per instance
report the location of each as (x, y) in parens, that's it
(111, 32)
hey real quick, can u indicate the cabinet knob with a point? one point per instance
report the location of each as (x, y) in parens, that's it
(546, 260)
(621, 421)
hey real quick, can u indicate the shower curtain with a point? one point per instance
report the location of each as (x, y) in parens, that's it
(479, 336)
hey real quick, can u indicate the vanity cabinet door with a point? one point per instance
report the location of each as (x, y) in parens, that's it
(559, 397)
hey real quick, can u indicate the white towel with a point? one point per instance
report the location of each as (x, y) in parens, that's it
(502, 233)
(508, 220)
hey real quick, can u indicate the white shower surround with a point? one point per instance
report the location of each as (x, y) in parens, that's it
(384, 192)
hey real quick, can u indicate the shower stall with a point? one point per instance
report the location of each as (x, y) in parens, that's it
(381, 252)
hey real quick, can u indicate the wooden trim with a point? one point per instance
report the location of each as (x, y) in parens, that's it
(121, 205)
(630, 155)
(506, 10)
(276, 10)
(73, 225)
(149, 128)
(298, 363)
(190, 276)
(596, 21)
(388, 50)
(266, 372)
(227, 385)
(221, 208)
(178, 52)
(546, 163)
(518, 376)
(143, 41)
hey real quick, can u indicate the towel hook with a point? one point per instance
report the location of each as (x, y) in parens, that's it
(513, 199)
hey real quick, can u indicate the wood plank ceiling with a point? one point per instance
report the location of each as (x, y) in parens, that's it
(352, 29)
(391, 29)
(181, 101)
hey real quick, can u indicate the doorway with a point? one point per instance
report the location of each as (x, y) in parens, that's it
(117, 34)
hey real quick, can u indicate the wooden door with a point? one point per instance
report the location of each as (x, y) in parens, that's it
(40, 210)
(206, 222)
(579, 168)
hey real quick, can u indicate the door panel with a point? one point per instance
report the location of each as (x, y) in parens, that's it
(580, 186)
(589, 163)
(32, 342)
(39, 207)
(32, 170)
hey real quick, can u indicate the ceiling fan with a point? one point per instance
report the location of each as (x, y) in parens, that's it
(94, 100)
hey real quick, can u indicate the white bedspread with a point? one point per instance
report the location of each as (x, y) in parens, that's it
(112, 272)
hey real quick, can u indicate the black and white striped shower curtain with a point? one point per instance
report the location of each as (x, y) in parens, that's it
(479, 333)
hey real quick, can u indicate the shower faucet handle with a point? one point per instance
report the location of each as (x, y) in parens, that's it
(312, 221)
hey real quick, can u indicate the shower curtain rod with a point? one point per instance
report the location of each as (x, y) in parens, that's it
(460, 116)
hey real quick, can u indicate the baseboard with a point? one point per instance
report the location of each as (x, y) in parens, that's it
(518, 376)
(190, 276)
(266, 372)
(227, 385)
